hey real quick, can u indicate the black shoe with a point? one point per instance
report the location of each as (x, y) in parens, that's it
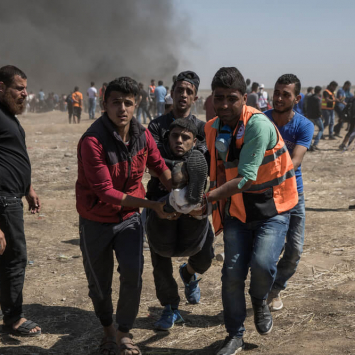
(262, 318)
(338, 135)
(332, 138)
(231, 346)
(322, 137)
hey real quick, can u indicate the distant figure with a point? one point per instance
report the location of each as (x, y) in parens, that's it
(92, 94)
(350, 112)
(151, 92)
(101, 97)
(343, 95)
(143, 104)
(314, 113)
(263, 98)
(32, 101)
(310, 92)
(253, 97)
(41, 96)
(249, 87)
(209, 108)
(69, 101)
(160, 93)
(168, 104)
(328, 104)
(77, 97)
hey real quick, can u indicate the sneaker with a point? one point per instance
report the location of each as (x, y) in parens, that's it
(192, 289)
(274, 300)
(168, 318)
(262, 318)
(332, 138)
(232, 346)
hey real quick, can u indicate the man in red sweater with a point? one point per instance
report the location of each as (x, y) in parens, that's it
(112, 156)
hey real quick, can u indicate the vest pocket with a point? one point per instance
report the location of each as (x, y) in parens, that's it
(260, 205)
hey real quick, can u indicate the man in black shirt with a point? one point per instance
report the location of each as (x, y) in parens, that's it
(15, 182)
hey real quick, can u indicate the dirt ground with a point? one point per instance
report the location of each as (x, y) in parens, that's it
(319, 312)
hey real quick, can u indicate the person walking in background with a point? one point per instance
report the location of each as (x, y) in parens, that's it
(101, 97)
(343, 95)
(151, 92)
(92, 94)
(297, 132)
(263, 98)
(328, 104)
(160, 93)
(310, 92)
(15, 172)
(253, 98)
(314, 113)
(143, 104)
(69, 101)
(77, 98)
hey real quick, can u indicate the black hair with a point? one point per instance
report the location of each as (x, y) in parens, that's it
(310, 88)
(333, 83)
(160, 82)
(76, 88)
(247, 81)
(92, 83)
(317, 89)
(347, 83)
(8, 72)
(185, 124)
(288, 79)
(229, 78)
(104, 84)
(254, 86)
(123, 84)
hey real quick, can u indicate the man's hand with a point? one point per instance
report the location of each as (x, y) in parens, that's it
(158, 207)
(2, 242)
(34, 204)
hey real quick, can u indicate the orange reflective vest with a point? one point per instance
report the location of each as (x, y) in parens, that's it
(275, 188)
(327, 105)
(151, 90)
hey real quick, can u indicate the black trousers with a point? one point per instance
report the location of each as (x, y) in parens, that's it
(98, 241)
(14, 259)
(186, 236)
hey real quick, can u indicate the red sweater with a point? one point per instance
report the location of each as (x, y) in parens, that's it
(107, 169)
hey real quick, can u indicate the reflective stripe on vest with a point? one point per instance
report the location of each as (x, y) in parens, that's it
(275, 172)
(325, 103)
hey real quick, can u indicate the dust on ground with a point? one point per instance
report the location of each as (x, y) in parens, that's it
(319, 312)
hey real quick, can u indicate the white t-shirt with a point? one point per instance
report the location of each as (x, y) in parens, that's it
(263, 99)
(92, 92)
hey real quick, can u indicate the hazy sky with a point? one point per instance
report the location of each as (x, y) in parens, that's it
(310, 38)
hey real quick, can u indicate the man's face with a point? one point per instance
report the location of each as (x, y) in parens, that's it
(14, 95)
(181, 141)
(152, 83)
(284, 97)
(120, 108)
(184, 95)
(228, 104)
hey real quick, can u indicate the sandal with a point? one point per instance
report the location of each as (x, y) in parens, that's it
(23, 330)
(127, 344)
(108, 346)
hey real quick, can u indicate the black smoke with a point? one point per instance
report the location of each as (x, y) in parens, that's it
(63, 43)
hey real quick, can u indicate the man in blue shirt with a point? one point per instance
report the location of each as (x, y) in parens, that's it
(343, 96)
(160, 93)
(297, 132)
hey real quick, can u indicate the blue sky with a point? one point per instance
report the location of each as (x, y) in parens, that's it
(264, 39)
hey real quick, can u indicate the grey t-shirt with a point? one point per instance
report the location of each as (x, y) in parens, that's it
(252, 99)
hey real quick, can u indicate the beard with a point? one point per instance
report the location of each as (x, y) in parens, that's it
(13, 106)
(284, 109)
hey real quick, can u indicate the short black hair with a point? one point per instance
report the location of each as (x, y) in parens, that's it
(310, 88)
(8, 72)
(333, 83)
(92, 83)
(123, 84)
(76, 88)
(288, 79)
(247, 81)
(160, 82)
(229, 78)
(104, 84)
(185, 124)
(347, 83)
(254, 86)
(317, 89)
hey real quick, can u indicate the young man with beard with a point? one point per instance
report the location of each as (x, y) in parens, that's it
(252, 189)
(184, 93)
(15, 182)
(297, 132)
(183, 236)
(112, 156)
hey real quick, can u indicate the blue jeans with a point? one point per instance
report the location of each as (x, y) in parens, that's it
(319, 123)
(145, 111)
(160, 108)
(328, 117)
(256, 245)
(294, 245)
(92, 108)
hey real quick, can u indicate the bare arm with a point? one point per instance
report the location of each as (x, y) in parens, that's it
(297, 155)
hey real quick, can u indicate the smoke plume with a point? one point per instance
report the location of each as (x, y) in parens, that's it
(60, 44)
